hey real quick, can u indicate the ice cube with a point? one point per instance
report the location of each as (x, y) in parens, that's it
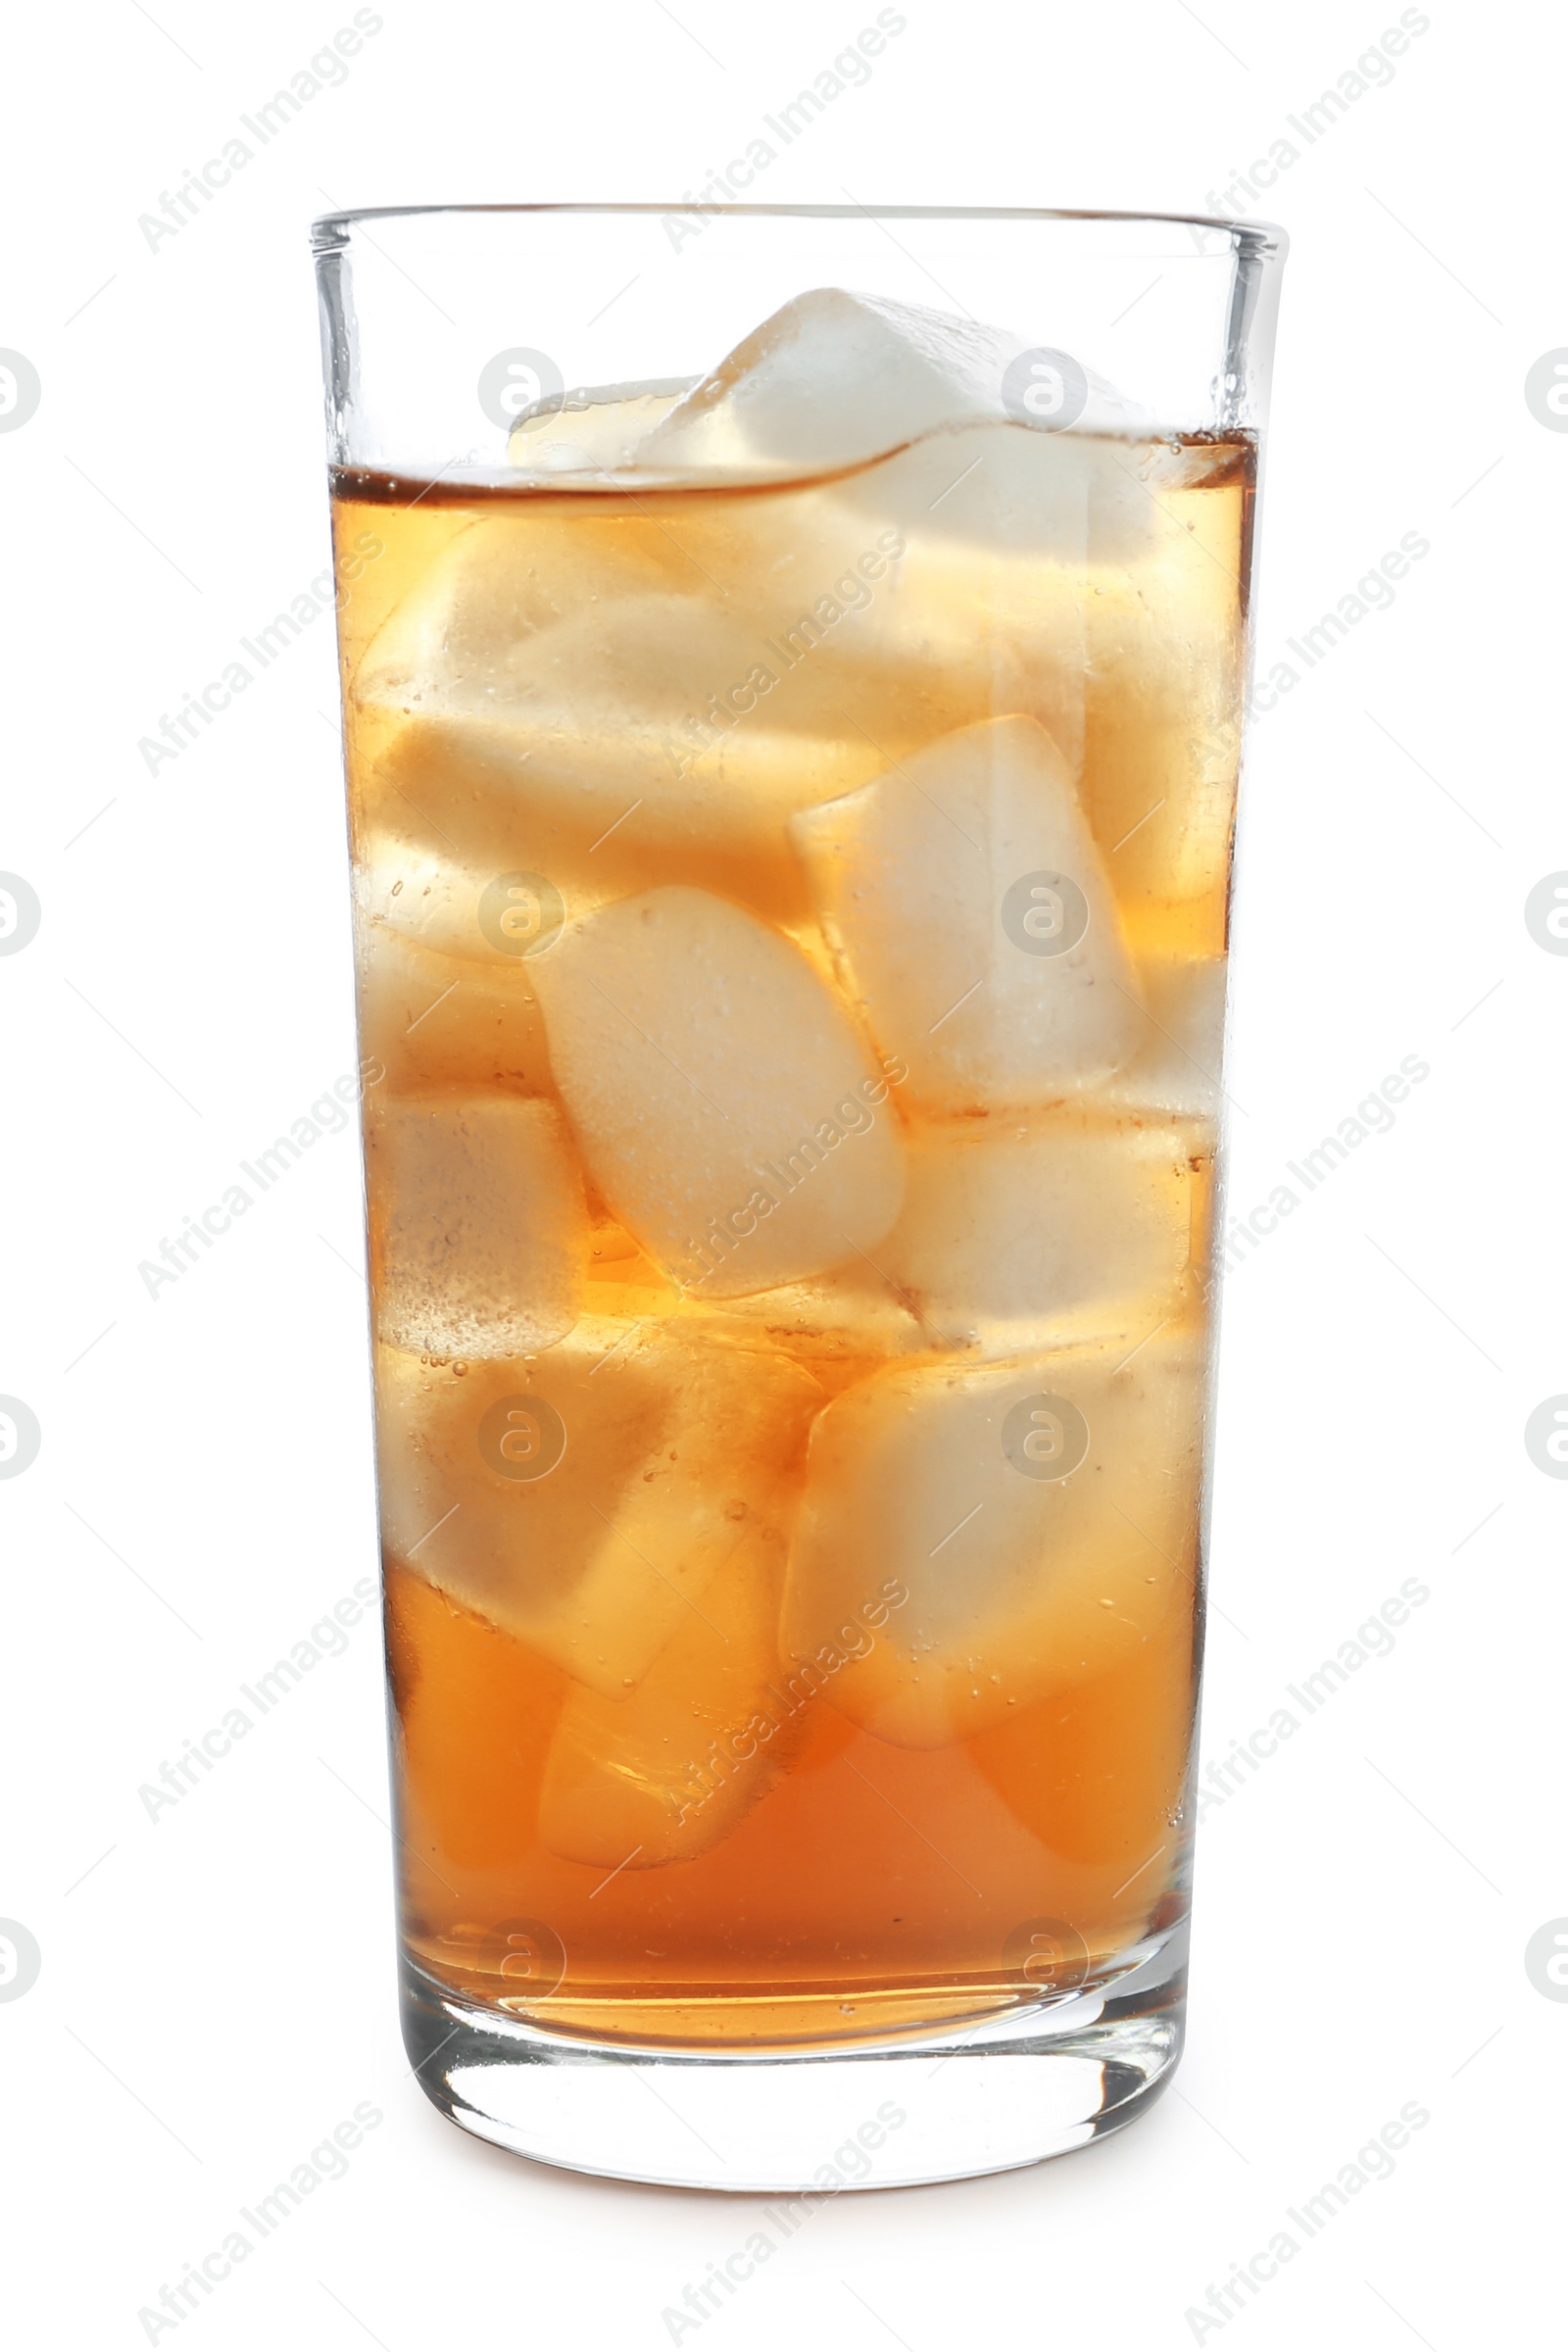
(477, 1225)
(594, 430)
(728, 1113)
(584, 1497)
(1009, 544)
(1011, 1233)
(1032, 1520)
(952, 580)
(633, 701)
(623, 1280)
(971, 913)
(476, 1712)
(491, 592)
(1178, 1069)
(659, 735)
(1001, 497)
(1163, 716)
(1092, 584)
(834, 378)
(666, 1773)
(841, 1325)
(474, 908)
(433, 1020)
(1095, 1774)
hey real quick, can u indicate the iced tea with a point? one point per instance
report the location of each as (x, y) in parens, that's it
(791, 869)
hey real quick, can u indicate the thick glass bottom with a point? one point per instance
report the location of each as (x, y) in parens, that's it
(807, 2122)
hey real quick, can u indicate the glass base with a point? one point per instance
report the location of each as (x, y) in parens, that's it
(807, 2122)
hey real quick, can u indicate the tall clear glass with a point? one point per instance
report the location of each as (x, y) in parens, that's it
(794, 662)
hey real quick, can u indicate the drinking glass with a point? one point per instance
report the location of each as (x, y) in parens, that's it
(794, 661)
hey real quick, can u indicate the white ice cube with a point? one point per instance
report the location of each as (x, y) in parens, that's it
(973, 917)
(583, 1498)
(487, 594)
(1012, 1231)
(435, 1020)
(834, 378)
(1029, 512)
(592, 430)
(474, 909)
(1037, 1517)
(645, 727)
(842, 1324)
(728, 1113)
(479, 1231)
(665, 1771)
(1178, 1067)
(602, 703)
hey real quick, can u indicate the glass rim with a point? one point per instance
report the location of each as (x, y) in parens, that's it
(1265, 239)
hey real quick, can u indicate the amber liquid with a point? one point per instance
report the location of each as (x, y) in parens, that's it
(676, 1834)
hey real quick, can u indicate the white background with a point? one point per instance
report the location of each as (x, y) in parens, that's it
(216, 1986)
